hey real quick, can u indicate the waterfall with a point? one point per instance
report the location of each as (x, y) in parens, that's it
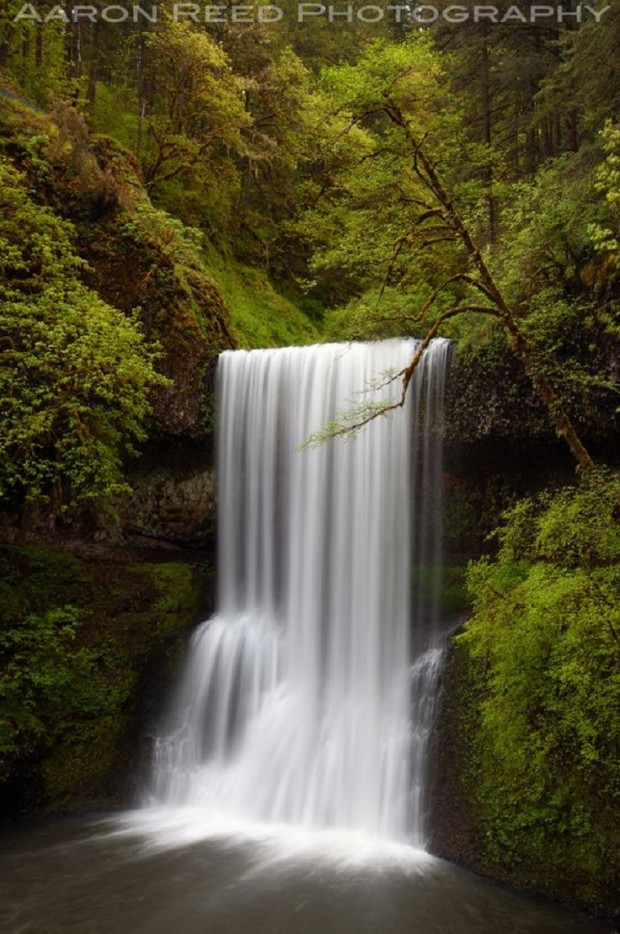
(307, 699)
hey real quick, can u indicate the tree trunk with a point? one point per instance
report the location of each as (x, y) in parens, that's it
(572, 136)
(38, 51)
(93, 68)
(528, 354)
(487, 133)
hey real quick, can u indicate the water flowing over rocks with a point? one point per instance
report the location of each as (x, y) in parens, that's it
(308, 698)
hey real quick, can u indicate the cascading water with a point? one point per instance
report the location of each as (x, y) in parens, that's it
(308, 698)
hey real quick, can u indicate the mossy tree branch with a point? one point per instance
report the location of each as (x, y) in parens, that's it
(479, 278)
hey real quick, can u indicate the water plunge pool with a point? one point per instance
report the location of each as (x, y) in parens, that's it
(176, 871)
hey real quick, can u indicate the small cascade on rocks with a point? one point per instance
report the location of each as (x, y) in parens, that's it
(308, 698)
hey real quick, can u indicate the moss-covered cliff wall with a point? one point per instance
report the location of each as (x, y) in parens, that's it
(189, 300)
(553, 860)
(526, 786)
(89, 644)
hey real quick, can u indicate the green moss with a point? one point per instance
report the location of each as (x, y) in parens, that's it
(32, 581)
(260, 316)
(174, 592)
(75, 638)
(80, 764)
(106, 115)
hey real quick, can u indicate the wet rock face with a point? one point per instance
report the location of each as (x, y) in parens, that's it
(490, 398)
(499, 443)
(174, 496)
(493, 403)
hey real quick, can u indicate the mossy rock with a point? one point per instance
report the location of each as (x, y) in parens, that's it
(79, 638)
(489, 396)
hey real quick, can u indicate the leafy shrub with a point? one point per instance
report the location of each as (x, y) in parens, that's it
(75, 373)
(49, 685)
(543, 650)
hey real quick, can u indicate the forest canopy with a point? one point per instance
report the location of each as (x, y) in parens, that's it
(390, 177)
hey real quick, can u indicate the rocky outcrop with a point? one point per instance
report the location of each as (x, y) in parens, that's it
(174, 496)
(499, 444)
(149, 266)
(490, 398)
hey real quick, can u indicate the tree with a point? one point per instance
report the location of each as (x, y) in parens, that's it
(388, 87)
(607, 236)
(198, 112)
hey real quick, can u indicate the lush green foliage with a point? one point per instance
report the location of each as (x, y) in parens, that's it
(198, 114)
(544, 657)
(74, 637)
(271, 140)
(363, 227)
(47, 680)
(75, 373)
(272, 155)
(260, 316)
(607, 237)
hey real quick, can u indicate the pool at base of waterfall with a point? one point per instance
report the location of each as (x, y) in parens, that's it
(185, 871)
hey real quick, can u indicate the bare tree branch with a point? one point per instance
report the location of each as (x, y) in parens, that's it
(351, 422)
